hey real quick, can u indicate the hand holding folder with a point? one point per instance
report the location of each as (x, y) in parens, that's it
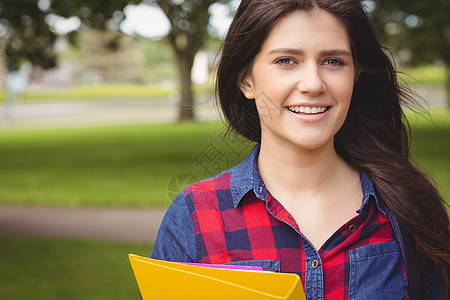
(168, 280)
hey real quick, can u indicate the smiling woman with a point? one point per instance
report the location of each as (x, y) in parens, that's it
(328, 192)
(312, 72)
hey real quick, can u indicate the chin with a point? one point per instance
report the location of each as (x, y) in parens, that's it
(311, 145)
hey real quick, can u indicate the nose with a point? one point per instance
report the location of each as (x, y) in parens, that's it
(311, 81)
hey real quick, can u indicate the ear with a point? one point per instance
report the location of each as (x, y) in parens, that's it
(246, 86)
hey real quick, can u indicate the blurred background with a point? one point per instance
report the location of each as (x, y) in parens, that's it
(107, 113)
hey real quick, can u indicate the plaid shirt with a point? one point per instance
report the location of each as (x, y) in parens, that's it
(232, 218)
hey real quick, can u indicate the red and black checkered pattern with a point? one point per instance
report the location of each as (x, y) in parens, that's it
(264, 230)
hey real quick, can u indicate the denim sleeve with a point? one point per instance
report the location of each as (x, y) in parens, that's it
(176, 237)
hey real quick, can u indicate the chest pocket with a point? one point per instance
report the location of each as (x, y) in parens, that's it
(376, 272)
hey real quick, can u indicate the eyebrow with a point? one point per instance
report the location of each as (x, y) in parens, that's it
(294, 51)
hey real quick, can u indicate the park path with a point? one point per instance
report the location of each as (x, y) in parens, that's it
(62, 113)
(113, 224)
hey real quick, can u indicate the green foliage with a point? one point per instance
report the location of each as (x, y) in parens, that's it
(26, 36)
(421, 28)
(419, 31)
(67, 269)
(92, 13)
(189, 24)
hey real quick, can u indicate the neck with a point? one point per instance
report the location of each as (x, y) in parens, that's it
(294, 170)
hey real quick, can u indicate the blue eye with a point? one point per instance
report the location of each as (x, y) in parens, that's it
(333, 62)
(284, 61)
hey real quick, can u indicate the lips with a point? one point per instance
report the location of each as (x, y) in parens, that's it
(308, 110)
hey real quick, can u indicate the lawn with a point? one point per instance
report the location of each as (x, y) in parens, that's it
(424, 75)
(102, 92)
(147, 165)
(89, 92)
(67, 269)
(141, 165)
(431, 146)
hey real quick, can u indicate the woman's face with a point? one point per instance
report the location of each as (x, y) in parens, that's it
(302, 80)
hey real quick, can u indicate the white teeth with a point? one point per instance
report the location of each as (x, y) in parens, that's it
(307, 109)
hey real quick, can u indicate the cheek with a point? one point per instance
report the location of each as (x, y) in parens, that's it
(270, 91)
(346, 96)
(345, 102)
(342, 90)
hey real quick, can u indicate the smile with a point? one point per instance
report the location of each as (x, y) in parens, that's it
(310, 110)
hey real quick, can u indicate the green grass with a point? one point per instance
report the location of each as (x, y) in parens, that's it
(34, 268)
(90, 92)
(104, 92)
(147, 165)
(427, 74)
(431, 146)
(108, 166)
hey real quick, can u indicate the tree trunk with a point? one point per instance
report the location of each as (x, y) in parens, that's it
(186, 104)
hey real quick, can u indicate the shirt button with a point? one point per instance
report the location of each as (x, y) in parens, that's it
(352, 228)
(314, 264)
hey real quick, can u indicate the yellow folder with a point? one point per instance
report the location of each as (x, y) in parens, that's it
(168, 280)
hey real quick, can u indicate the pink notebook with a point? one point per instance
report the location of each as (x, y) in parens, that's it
(232, 267)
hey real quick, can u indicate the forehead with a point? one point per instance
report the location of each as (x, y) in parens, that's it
(308, 30)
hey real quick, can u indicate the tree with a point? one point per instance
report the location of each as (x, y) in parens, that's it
(419, 28)
(24, 35)
(189, 21)
(188, 18)
(92, 13)
(189, 30)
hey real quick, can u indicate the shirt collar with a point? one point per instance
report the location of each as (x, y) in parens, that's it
(368, 191)
(245, 177)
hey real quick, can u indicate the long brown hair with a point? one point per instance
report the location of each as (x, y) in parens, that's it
(375, 137)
